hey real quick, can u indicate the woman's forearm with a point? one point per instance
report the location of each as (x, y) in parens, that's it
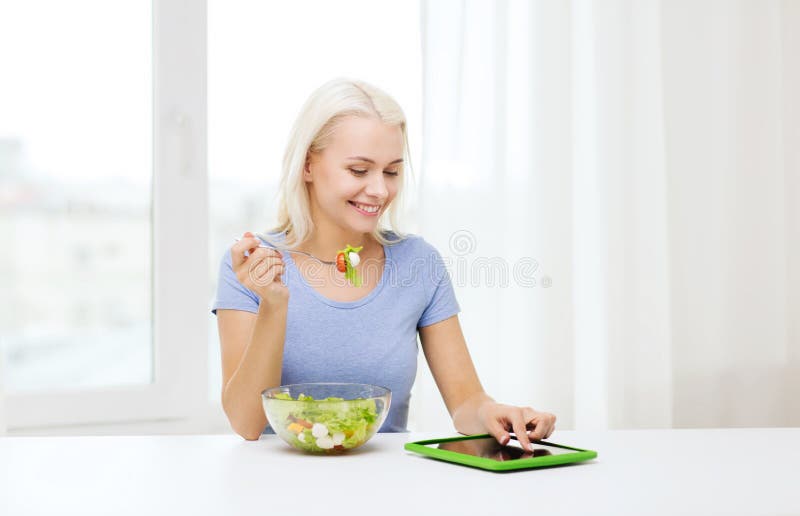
(465, 417)
(259, 369)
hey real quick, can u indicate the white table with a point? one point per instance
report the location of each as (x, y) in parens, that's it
(734, 471)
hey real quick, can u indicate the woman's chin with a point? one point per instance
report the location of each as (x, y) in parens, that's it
(363, 226)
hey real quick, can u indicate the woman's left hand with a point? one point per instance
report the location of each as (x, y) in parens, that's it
(526, 423)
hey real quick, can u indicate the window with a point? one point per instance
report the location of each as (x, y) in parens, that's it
(102, 155)
(75, 170)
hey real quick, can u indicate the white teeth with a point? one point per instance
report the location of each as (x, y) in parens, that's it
(370, 209)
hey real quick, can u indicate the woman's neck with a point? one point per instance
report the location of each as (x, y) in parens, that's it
(327, 239)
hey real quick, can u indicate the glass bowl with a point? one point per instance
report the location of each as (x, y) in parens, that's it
(326, 417)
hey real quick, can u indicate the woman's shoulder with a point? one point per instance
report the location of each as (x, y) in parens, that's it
(417, 262)
(272, 236)
(408, 244)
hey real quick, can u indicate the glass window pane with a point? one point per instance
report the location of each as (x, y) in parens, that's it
(262, 67)
(75, 199)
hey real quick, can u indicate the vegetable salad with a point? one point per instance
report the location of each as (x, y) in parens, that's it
(324, 425)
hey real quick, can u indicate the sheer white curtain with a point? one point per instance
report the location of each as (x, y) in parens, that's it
(641, 158)
(3, 428)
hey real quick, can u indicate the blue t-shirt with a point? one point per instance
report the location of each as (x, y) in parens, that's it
(372, 340)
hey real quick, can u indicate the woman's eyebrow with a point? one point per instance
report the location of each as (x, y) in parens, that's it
(362, 158)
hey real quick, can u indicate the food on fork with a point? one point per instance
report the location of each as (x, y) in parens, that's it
(347, 260)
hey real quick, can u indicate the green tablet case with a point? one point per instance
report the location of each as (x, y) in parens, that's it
(497, 465)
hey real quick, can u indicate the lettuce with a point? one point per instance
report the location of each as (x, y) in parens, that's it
(355, 419)
(350, 273)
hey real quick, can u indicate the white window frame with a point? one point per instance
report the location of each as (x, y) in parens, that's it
(180, 247)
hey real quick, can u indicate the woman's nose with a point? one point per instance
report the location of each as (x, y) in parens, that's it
(377, 186)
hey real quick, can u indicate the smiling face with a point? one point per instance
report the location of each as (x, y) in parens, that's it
(355, 177)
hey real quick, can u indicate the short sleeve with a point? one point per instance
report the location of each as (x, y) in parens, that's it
(442, 302)
(231, 294)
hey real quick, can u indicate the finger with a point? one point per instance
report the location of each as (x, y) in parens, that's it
(265, 252)
(257, 243)
(272, 275)
(260, 256)
(279, 274)
(543, 426)
(551, 427)
(244, 270)
(272, 252)
(497, 431)
(260, 266)
(518, 422)
(261, 253)
(269, 275)
(251, 238)
(531, 422)
(539, 430)
(248, 263)
(238, 250)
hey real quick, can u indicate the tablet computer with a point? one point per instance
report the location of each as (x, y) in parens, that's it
(483, 451)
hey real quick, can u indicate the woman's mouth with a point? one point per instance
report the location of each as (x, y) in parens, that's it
(370, 210)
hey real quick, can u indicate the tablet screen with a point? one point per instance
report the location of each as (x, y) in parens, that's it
(489, 448)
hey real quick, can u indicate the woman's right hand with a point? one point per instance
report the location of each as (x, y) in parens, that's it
(260, 271)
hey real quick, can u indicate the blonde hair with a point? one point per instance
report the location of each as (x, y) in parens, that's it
(312, 132)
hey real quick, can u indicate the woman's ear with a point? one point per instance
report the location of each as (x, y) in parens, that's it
(307, 170)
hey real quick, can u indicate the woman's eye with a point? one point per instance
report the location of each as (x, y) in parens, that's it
(359, 172)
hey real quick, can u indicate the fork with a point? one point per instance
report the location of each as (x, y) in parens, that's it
(278, 248)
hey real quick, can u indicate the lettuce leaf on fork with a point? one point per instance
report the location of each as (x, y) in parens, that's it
(351, 274)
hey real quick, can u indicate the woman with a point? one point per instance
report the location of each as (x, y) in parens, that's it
(290, 318)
